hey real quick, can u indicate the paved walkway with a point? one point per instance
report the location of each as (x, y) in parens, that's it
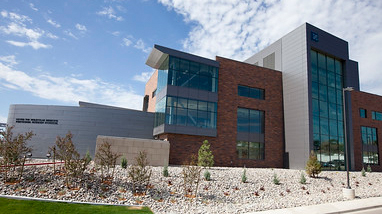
(356, 206)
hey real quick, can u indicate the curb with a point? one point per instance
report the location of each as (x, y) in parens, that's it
(64, 201)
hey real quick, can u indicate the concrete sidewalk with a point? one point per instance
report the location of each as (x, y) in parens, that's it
(356, 205)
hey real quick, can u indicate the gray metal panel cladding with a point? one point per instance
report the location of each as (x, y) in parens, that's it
(85, 123)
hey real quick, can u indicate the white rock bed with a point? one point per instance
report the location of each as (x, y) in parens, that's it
(225, 193)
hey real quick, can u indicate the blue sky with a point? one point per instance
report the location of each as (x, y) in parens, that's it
(61, 52)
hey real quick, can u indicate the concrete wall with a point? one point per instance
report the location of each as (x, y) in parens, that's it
(157, 150)
(85, 123)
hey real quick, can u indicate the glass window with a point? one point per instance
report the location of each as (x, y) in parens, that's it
(323, 92)
(321, 61)
(242, 149)
(362, 113)
(191, 74)
(376, 115)
(246, 91)
(250, 121)
(370, 150)
(314, 90)
(192, 117)
(331, 79)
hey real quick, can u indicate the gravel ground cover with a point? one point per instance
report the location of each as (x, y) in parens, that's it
(224, 193)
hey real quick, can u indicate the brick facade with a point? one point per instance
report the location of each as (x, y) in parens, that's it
(151, 85)
(231, 74)
(370, 102)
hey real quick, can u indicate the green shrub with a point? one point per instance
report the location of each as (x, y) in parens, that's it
(124, 162)
(276, 179)
(165, 171)
(313, 167)
(363, 173)
(369, 169)
(87, 158)
(302, 178)
(244, 176)
(205, 156)
(207, 175)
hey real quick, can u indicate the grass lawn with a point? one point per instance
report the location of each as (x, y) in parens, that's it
(32, 206)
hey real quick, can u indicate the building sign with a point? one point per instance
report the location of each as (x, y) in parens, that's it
(314, 36)
(37, 121)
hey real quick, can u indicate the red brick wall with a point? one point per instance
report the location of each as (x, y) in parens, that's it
(151, 85)
(231, 74)
(370, 102)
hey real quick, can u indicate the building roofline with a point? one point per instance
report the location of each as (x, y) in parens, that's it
(160, 53)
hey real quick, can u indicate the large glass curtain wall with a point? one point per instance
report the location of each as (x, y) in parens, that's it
(187, 112)
(191, 74)
(328, 125)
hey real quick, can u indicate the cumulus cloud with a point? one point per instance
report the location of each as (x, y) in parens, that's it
(239, 29)
(3, 119)
(110, 13)
(126, 42)
(81, 27)
(140, 45)
(143, 77)
(9, 60)
(69, 89)
(53, 23)
(17, 26)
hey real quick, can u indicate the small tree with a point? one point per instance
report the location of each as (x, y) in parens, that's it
(140, 173)
(313, 167)
(205, 156)
(107, 160)
(74, 165)
(14, 152)
(191, 177)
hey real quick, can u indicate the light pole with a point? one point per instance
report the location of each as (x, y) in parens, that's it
(348, 192)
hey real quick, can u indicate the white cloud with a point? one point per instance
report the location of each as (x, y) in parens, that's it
(15, 17)
(52, 36)
(9, 60)
(140, 45)
(53, 23)
(69, 33)
(127, 42)
(31, 5)
(143, 77)
(110, 13)
(34, 44)
(116, 33)
(81, 27)
(69, 89)
(17, 27)
(239, 29)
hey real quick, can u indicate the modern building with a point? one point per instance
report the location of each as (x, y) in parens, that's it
(236, 106)
(316, 67)
(269, 111)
